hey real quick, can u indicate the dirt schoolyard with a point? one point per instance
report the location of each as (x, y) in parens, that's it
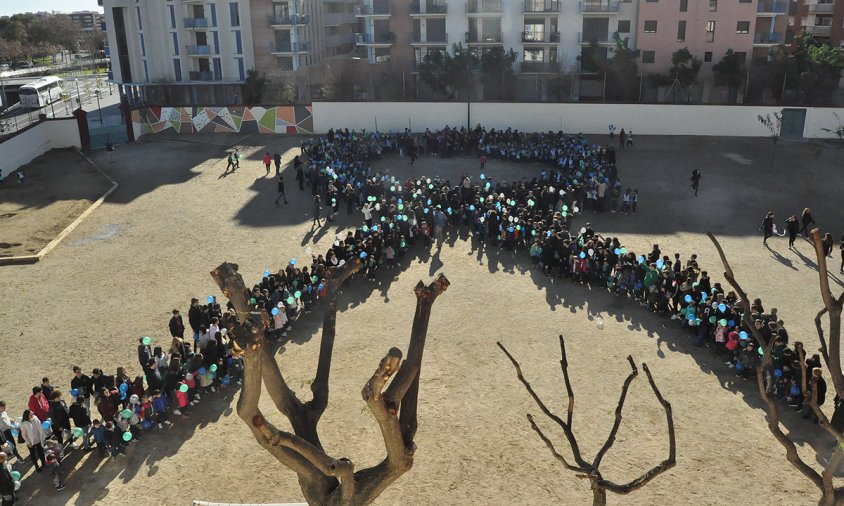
(150, 247)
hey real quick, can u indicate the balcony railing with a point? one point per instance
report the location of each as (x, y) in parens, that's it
(589, 37)
(436, 8)
(821, 8)
(483, 6)
(338, 18)
(772, 7)
(290, 47)
(542, 6)
(537, 38)
(370, 10)
(291, 20)
(198, 50)
(768, 38)
(820, 30)
(196, 23)
(375, 38)
(599, 7)
(483, 38)
(195, 75)
(430, 38)
(544, 67)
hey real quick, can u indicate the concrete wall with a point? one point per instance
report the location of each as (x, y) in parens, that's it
(21, 149)
(738, 121)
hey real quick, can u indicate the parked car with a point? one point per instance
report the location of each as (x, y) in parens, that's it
(4, 67)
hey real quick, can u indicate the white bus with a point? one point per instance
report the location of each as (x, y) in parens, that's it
(44, 91)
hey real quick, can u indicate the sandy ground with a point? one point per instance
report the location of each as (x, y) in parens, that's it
(59, 186)
(151, 245)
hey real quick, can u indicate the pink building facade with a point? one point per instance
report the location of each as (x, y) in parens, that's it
(708, 28)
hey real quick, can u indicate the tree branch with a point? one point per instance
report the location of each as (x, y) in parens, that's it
(611, 437)
(550, 446)
(833, 307)
(564, 365)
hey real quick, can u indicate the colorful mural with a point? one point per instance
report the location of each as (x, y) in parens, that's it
(291, 119)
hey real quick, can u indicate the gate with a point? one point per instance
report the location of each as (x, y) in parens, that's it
(111, 129)
(793, 121)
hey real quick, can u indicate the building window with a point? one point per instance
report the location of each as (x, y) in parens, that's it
(650, 26)
(140, 23)
(213, 14)
(177, 69)
(707, 56)
(172, 16)
(241, 69)
(146, 72)
(624, 26)
(143, 45)
(684, 5)
(175, 44)
(238, 42)
(710, 31)
(218, 69)
(681, 31)
(216, 42)
(648, 56)
(743, 27)
(534, 55)
(713, 5)
(235, 15)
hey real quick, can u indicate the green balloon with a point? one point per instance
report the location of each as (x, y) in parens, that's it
(183, 388)
(16, 475)
(712, 319)
(127, 436)
(565, 208)
(209, 376)
(314, 279)
(252, 300)
(126, 413)
(761, 350)
(213, 368)
(146, 340)
(78, 432)
(298, 294)
(723, 322)
(291, 300)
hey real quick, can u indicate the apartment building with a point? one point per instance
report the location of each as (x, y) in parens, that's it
(823, 19)
(87, 21)
(708, 28)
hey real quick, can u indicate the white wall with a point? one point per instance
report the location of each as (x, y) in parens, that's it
(23, 148)
(643, 119)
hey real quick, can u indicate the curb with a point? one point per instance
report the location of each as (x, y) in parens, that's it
(31, 259)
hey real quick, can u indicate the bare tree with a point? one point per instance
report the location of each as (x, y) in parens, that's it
(830, 494)
(591, 470)
(326, 480)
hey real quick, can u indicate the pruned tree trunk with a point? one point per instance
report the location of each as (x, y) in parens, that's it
(591, 470)
(325, 480)
(830, 495)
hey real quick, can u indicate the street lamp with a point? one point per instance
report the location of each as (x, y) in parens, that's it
(97, 93)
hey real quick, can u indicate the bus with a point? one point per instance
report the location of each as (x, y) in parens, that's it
(42, 92)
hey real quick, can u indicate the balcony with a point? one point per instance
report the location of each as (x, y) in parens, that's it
(198, 50)
(194, 75)
(289, 48)
(821, 8)
(767, 39)
(375, 39)
(550, 7)
(430, 39)
(540, 67)
(598, 7)
(436, 9)
(381, 10)
(338, 18)
(540, 38)
(480, 39)
(483, 7)
(196, 23)
(288, 21)
(585, 39)
(819, 30)
(769, 8)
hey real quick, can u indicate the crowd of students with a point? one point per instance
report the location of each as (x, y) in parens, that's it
(108, 412)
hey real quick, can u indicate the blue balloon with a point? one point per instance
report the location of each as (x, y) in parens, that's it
(739, 366)
(210, 299)
(363, 254)
(226, 380)
(641, 259)
(688, 298)
(292, 261)
(266, 274)
(46, 425)
(275, 311)
(794, 391)
(74, 392)
(703, 296)
(123, 387)
(472, 208)
(146, 424)
(742, 334)
(731, 323)
(375, 228)
(616, 251)
(201, 371)
(510, 229)
(722, 307)
(659, 263)
(690, 316)
(582, 255)
(777, 373)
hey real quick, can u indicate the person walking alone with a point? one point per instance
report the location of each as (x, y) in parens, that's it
(268, 160)
(767, 227)
(281, 193)
(695, 181)
(622, 136)
(317, 212)
(806, 220)
(277, 161)
(792, 226)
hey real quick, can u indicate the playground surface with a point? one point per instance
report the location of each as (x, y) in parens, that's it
(150, 247)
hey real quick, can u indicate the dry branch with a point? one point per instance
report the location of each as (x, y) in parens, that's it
(592, 472)
(325, 480)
